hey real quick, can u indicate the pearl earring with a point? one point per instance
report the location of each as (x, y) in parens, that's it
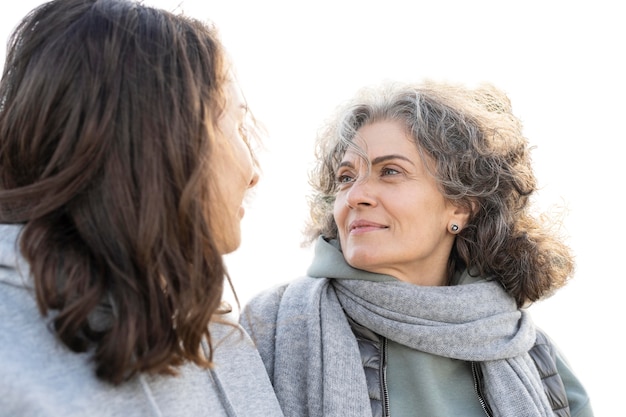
(454, 228)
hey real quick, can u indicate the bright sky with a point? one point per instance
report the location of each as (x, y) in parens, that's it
(561, 63)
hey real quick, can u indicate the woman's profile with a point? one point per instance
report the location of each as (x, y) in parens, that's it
(124, 160)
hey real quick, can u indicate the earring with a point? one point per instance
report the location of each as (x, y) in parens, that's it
(454, 228)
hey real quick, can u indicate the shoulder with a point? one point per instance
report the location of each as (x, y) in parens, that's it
(559, 380)
(260, 314)
(543, 353)
(240, 370)
(266, 300)
(267, 311)
(51, 378)
(267, 303)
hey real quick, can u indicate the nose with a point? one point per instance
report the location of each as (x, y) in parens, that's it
(255, 178)
(360, 194)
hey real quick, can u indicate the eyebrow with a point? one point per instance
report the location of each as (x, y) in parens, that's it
(379, 160)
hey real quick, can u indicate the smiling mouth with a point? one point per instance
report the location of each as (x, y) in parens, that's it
(365, 228)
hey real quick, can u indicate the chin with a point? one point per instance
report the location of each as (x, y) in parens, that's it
(360, 261)
(230, 245)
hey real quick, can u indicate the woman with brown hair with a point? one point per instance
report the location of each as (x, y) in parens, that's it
(124, 160)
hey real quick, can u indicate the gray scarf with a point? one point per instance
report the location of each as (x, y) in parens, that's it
(318, 370)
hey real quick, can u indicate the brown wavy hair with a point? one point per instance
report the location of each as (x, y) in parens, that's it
(108, 116)
(481, 162)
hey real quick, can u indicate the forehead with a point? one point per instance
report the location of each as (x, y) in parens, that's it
(382, 137)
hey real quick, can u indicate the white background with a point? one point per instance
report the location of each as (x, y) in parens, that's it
(562, 65)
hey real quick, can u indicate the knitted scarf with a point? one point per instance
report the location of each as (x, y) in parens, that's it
(317, 365)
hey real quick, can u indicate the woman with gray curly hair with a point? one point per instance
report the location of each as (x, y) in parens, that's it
(426, 256)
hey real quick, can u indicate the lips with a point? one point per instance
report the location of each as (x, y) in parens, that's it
(364, 226)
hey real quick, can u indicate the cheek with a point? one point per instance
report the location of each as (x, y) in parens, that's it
(339, 211)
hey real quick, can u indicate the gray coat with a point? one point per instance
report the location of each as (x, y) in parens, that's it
(372, 348)
(39, 376)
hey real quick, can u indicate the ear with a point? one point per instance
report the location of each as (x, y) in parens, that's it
(460, 215)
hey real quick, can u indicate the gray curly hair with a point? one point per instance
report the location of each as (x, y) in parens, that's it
(481, 162)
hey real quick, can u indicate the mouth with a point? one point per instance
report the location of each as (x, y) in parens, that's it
(362, 226)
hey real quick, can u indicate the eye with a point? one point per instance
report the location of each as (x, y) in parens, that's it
(387, 171)
(345, 176)
(344, 179)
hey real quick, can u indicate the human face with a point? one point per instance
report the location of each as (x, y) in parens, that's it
(234, 170)
(393, 219)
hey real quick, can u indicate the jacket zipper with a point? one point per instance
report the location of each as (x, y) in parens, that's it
(383, 377)
(385, 390)
(479, 391)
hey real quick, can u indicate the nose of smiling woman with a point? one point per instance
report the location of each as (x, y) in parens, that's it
(360, 193)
